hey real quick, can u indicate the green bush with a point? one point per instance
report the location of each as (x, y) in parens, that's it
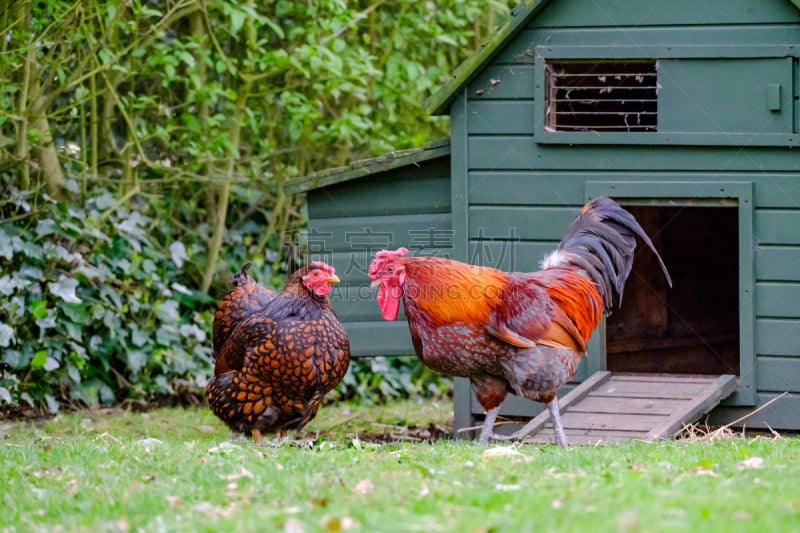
(95, 307)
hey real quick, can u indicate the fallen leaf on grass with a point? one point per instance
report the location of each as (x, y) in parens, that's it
(174, 501)
(752, 462)
(500, 451)
(703, 471)
(206, 429)
(224, 448)
(233, 477)
(364, 486)
(293, 525)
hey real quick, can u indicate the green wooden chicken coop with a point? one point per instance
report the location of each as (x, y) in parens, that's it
(685, 112)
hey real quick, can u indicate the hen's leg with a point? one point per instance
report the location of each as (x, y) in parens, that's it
(487, 430)
(555, 418)
(256, 435)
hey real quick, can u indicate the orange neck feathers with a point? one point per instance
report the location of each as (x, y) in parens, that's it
(450, 291)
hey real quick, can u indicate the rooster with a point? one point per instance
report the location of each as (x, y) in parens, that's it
(514, 332)
(276, 355)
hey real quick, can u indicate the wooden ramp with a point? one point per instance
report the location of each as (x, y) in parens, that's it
(612, 407)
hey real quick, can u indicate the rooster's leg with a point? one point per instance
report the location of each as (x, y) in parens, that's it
(488, 426)
(555, 418)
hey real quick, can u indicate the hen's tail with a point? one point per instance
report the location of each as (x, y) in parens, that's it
(601, 242)
(246, 297)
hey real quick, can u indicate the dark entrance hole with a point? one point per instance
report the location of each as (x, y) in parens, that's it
(692, 328)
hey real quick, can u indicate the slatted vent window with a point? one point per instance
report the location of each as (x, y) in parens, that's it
(602, 96)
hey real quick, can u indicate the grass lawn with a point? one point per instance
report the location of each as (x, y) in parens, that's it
(178, 470)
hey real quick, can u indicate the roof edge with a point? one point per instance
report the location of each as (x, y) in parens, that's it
(438, 102)
(365, 167)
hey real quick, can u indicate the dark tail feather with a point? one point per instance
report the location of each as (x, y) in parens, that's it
(601, 242)
(241, 276)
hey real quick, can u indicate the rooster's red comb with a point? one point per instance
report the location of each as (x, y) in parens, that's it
(389, 254)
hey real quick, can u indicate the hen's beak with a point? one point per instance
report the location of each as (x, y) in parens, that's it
(333, 279)
(375, 283)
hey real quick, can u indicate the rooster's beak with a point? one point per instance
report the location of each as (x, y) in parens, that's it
(333, 279)
(375, 283)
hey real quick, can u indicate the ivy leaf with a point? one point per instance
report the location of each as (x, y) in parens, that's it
(46, 227)
(137, 338)
(178, 251)
(5, 395)
(6, 250)
(51, 364)
(237, 20)
(64, 288)
(6, 335)
(38, 309)
(52, 403)
(39, 359)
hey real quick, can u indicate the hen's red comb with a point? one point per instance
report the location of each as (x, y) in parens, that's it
(389, 254)
(320, 264)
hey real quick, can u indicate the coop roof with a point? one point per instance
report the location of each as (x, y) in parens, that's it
(366, 167)
(439, 102)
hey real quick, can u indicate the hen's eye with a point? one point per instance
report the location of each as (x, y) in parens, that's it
(390, 270)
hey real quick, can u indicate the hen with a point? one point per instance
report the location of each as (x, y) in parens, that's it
(276, 355)
(515, 332)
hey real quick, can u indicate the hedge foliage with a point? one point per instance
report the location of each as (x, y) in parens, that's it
(143, 150)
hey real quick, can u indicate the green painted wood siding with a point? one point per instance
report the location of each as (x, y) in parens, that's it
(511, 180)
(350, 221)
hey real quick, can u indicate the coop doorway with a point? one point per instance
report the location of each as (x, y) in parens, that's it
(693, 327)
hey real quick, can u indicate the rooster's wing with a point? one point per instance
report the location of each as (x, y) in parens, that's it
(527, 316)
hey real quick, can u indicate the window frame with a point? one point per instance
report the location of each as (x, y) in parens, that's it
(545, 54)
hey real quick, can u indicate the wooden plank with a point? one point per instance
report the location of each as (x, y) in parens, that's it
(510, 256)
(710, 397)
(527, 223)
(777, 337)
(586, 438)
(777, 226)
(603, 421)
(369, 166)
(588, 410)
(363, 236)
(395, 193)
(783, 413)
(526, 188)
(500, 117)
(379, 338)
(668, 41)
(602, 404)
(778, 300)
(771, 190)
(357, 303)
(778, 374)
(506, 82)
(522, 152)
(652, 388)
(575, 395)
(639, 377)
(626, 13)
(778, 263)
